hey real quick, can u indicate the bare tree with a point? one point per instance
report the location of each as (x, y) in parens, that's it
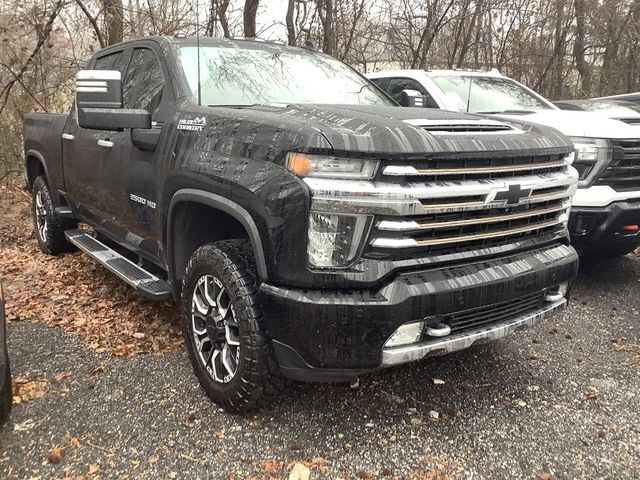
(249, 15)
(114, 18)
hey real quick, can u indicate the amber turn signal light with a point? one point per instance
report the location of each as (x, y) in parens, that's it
(298, 163)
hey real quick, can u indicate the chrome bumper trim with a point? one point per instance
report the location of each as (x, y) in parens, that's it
(442, 346)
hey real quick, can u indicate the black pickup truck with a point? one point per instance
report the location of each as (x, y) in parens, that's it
(309, 227)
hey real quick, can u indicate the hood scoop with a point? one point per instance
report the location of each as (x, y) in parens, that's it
(630, 120)
(460, 126)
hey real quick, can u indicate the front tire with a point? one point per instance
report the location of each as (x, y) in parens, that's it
(222, 324)
(47, 226)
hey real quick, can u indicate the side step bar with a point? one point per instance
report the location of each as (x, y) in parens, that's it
(147, 284)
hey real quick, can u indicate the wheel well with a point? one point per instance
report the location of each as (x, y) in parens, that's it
(194, 225)
(35, 169)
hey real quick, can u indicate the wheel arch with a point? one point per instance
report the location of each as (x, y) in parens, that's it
(216, 203)
(35, 166)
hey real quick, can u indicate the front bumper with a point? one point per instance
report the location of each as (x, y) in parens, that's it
(593, 227)
(337, 335)
(412, 353)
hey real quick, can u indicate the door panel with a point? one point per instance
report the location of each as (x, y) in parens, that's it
(144, 87)
(87, 157)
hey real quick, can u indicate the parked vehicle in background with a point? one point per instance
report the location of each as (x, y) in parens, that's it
(633, 97)
(605, 217)
(309, 227)
(624, 111)
(6, 396)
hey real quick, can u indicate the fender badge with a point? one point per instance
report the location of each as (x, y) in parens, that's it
(197, 124)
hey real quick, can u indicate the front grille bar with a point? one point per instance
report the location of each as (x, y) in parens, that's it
(382, 242)
(408, 225)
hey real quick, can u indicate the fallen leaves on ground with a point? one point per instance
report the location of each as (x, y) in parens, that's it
(433, 474)
(439, 468)
(299, 472)
(55, 455)
(631, 348)
(25, 389)
(75, 293)
(592, 394)
(545, 476)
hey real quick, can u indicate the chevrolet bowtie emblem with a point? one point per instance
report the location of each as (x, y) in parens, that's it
(511, 196)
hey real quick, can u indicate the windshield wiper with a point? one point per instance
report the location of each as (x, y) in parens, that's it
(236, 106)
(512, 112)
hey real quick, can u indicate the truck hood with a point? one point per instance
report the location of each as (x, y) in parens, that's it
(576, 123)
(387, 131)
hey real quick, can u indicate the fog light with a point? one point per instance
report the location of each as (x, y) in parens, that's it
(405, 334)
(557, 293)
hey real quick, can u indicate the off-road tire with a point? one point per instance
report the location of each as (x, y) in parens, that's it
(52, 241)
(258, 380)
(6, 395)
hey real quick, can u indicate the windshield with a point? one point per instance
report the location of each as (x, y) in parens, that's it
(271, 74)
(488, 94)
(612, 109)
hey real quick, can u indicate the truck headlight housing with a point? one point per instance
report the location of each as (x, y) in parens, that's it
(592, 154)
(335, 240)
(327, 166)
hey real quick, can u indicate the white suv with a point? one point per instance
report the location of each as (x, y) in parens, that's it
(605, 217)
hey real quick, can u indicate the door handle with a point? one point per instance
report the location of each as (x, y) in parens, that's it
(105, 143)
(67, 136)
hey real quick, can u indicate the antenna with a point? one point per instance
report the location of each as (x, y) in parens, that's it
(468, 93)
(198, 48)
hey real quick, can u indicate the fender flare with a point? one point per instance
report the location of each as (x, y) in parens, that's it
(35, 154)
(225, 205)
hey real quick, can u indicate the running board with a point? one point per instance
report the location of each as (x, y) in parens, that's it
(147, 284)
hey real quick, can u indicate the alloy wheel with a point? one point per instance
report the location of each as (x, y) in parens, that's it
(41, 217)
(216, 333)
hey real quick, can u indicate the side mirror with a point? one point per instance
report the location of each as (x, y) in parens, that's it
(99, 89)
(99, 102)
(412, 98)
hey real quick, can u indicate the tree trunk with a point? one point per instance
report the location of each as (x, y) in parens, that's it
(291, 31)
(326, 16)
(220, 14)
(578, 49)
(114, 14)
(250, 11)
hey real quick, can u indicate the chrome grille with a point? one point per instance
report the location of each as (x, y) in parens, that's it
(623, 173)
(475, 227)
(505, 210)
(414, 212)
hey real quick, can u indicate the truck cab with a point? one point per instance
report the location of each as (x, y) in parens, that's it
(605, 217)
(309, 228)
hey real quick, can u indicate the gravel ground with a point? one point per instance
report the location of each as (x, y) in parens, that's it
(558, 401)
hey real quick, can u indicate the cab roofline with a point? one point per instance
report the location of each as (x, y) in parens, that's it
(211, 41)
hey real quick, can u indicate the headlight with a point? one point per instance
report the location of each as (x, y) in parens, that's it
(592, 154)
(328, 166)
(334, 240)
